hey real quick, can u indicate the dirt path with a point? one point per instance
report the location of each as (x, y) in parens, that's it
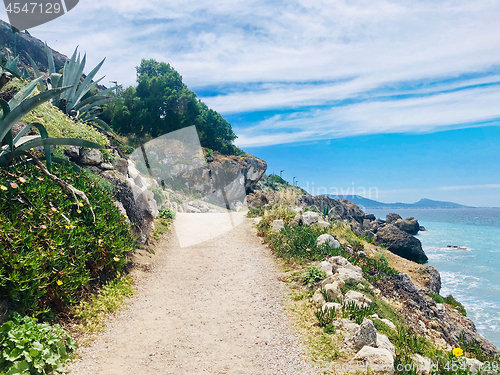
(210, 308)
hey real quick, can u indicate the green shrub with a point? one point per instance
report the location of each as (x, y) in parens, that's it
(325, 318)
(158, 196)
(255, 212)
(167, 213)
(357, 314)
(313, 275)
(50, 248)
(300, 242)
(450, 300)
(28, 347)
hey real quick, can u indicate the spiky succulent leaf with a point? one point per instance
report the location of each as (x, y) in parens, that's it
(24, 93)
(24, 107)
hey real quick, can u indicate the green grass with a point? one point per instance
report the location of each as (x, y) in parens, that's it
(50, 248)
(91, 314)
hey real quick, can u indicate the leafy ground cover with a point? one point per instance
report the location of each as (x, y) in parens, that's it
(51, 249)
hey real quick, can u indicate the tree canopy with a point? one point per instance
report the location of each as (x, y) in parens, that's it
(161, 103)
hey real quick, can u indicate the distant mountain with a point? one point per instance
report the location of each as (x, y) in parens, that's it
(423, 203)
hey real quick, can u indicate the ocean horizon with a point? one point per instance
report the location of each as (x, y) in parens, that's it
(472, 275)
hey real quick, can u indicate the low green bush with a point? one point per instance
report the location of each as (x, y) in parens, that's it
(313, 276)
(29, 347)
(300, 242)
(450, 300)
(167, 213)
(50, 247)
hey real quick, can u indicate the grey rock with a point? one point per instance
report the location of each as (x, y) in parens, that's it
(366, 335)
(318, 298)
(390, 218)
(310, 217)
(328, 240)
(121, 166)
(401, 243)
(91, 157)
(73, 152)
(106, 166)
(432, 278)
(409, 225)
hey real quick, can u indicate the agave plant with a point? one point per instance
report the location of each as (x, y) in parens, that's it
(14, 110)
(10, 66)
(76, 101)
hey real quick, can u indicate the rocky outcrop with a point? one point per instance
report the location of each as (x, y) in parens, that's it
(329, 240)
(409, 225)
(427, 318)
(401, 243)
(431, 278)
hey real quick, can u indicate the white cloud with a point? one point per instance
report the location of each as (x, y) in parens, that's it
(294, 54)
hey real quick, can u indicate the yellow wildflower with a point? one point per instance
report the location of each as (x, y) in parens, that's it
(78, 211)
(53, 209)
(99, 242)
(3, 187)
(80, 204)
(59, 282)
(40, 178)
(457, 352)
(116, 259)
(13, 185)
(22, 179)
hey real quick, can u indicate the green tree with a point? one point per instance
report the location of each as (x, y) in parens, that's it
(161, 103)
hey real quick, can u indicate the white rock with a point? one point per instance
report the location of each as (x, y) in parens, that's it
(121, 166)
(333, 290)
(358, 298)
(278, 225)
(348, 275)
(318, 298)
(377, 361)
(473, 364)
(331, 305)
(383, 342)
(106, 166)
(327, 267)
(329, 240)
(310, 217)
(389, 323)
(423, 364)
(323, 224)
(132, 170)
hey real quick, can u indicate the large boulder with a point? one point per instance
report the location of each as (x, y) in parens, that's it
(392, 217)
(375, 360)
(401, 243)
(278, 225)
(409, 225)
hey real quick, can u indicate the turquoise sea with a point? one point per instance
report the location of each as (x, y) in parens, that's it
(472, 276)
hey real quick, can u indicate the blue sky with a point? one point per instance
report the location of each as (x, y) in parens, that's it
(399, 96)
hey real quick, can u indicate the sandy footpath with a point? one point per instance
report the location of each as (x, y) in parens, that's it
(210, 308)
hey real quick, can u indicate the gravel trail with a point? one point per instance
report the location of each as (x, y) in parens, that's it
(211, 308)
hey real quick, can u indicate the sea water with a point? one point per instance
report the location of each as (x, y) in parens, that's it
(472, 275)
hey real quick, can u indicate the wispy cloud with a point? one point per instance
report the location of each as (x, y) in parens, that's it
(339, 68)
